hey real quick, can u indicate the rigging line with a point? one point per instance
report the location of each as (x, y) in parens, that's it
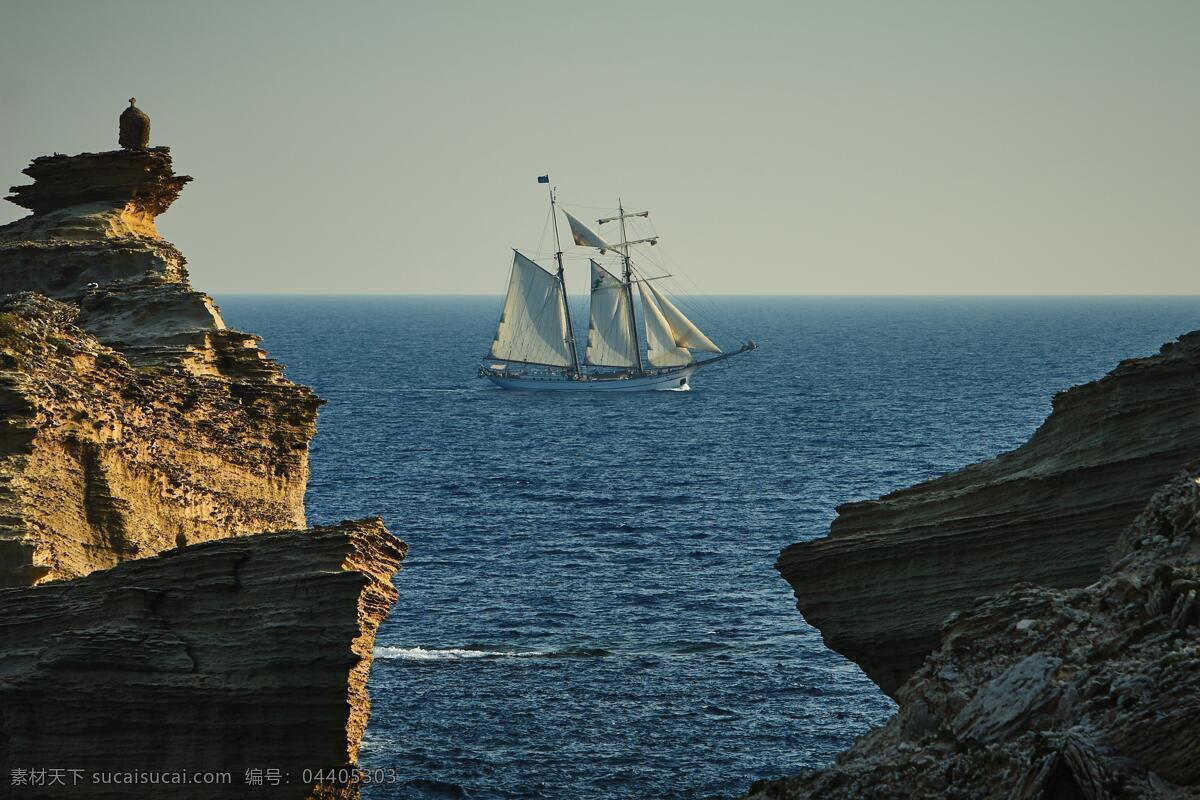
(669, 272)
(695, 300)
(705, 308)
(545, 227)
(718, 316)
(714, 320)
(581, 205)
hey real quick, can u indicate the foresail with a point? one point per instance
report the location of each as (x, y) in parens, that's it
(686, 334)
(610, 335)
(661, 348)
(533, 326)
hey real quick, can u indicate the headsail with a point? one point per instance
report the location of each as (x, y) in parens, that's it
(585, 236)
(685, 332)
(533, 326)
(611, 342)
(662, 350)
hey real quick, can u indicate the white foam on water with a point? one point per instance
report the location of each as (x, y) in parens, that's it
(422, 654)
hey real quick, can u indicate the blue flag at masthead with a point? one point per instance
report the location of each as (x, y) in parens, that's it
(543, 178)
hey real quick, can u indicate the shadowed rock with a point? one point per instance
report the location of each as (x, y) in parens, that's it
(143, 180)
(247, 653)
(1045, 694)
(880, 584)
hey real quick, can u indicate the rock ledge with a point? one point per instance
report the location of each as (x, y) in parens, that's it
(891, 570)
(245, 653)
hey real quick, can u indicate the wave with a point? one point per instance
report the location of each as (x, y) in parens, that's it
(718, 711)
(449, 654)
(475, 652)
(462, 653)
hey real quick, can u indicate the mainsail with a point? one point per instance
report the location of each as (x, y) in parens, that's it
(611, 341)
(533, 326)
(662, 349)
(685, 332)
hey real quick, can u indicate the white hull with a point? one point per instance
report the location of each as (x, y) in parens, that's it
(675, 380)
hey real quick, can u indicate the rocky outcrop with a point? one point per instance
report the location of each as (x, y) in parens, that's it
(250, 653)
(890, 571)
(1039, 694)
(142, 182)
(133, 419)
(136, 429)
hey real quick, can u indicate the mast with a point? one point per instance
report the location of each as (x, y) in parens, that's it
(637, 347)
(562, 285)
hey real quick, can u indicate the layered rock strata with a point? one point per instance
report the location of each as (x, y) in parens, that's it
(248, 654)
(891, 570)
(133, 419)
(1039, 693)
(135, 429)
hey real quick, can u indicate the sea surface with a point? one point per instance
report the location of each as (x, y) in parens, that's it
(589, 607)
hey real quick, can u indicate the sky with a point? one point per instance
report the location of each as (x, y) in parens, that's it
(794, 147)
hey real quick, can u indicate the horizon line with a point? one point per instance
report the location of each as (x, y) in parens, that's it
(914, 295)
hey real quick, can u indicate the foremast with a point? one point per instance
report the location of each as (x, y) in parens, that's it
(562, 285)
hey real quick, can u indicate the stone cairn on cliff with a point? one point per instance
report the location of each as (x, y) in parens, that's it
(133, 130)
(138, 434)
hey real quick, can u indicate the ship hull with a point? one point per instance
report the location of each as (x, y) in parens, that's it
(673, 381)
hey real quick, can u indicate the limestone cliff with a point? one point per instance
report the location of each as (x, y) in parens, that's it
(250, 653)
(1041, 694)
(134, 423)
(132, 419)
(890, 571)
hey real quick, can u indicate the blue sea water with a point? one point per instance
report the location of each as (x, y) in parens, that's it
(589, 608)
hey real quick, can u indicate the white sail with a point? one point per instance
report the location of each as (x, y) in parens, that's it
(610, 335)
(685, 332)
(662, 351)
(533, 326)
(585, 236)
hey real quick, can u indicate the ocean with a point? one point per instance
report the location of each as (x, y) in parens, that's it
(589, 608)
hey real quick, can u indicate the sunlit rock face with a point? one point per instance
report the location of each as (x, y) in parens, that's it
(891, 570)
(133, 420)
(1041, 693)
(250, 653)
(153, 621)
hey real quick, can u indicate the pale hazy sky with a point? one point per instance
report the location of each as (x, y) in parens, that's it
(784, 147)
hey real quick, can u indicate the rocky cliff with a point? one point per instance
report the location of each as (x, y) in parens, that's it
(135, 429)
(1041, 694)
(880, 584)
(250, 653)
(133, 419)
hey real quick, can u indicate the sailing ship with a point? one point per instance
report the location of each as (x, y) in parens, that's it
(534, 347)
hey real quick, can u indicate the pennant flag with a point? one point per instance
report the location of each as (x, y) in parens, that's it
(585, 236)
(543, 178)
